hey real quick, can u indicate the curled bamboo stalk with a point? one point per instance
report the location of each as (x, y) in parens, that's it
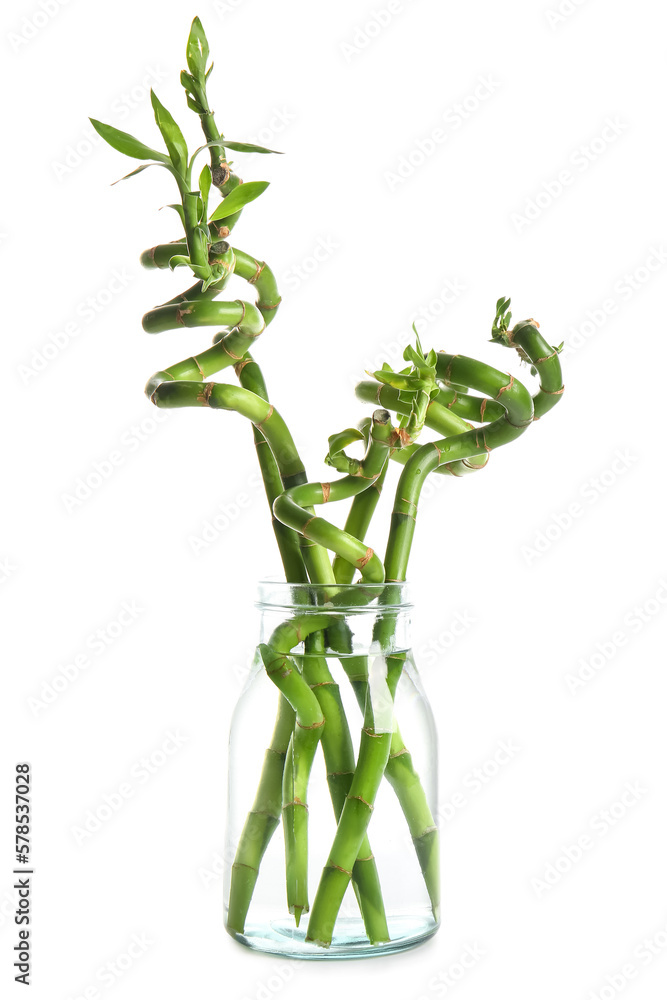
(294, 506)
(519, 411)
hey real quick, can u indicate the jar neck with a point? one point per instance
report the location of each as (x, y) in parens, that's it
(335, 620)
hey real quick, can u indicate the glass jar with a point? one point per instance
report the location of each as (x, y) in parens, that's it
(331, 845)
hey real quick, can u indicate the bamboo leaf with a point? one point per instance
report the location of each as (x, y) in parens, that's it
(410, 354)
(236, 199)
(194, 106)
(179, 211)
(172, 135)
(137, 170)
(188, 82)
(237, 147)
(197, 49)
(248, 147)
(178, 260)
(398, 380)
(125, 143)
(205, 188)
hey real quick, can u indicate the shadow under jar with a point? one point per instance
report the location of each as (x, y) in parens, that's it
(331, 846)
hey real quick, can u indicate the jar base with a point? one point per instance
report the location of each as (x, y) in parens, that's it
(281, 937)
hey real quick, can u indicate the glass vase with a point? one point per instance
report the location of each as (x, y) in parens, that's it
(338, 858)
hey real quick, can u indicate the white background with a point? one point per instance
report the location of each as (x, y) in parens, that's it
(481, 212)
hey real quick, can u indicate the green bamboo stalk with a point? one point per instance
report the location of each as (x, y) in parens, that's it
(306, 735)
(292, 508)
(261, 822)
(340, 763)
(250, 376)
(358, 521)
(399, 771)
(266, 811)
(374, 752)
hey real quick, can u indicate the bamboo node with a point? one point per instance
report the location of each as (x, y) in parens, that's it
(343, 870)
(504, 388)
(556, 392)
(259, 267)
(326, 492)
(547, 357)
(267, 417)
(365, 559)
(361, 799)
(180, 313)
(205, 395)
(315, 725)
(424, 833)
(239, 864)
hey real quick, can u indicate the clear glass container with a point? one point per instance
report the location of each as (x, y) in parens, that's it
(341, 656)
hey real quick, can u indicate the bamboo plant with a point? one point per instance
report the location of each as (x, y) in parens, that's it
(433, 393)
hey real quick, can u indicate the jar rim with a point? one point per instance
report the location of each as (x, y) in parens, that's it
(354, 597)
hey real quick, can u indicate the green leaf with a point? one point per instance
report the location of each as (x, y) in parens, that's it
(215, 275)
(172, 135)
(194, 106)
(201, 271)
(137, 170)
(237, 147)
(248, 147)
(179, 211)
(178, 260)
(209, 71)
(205, 187)
(126, 143)
(188, 82)
(236, 199)
(398, 380)
(197, 49)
